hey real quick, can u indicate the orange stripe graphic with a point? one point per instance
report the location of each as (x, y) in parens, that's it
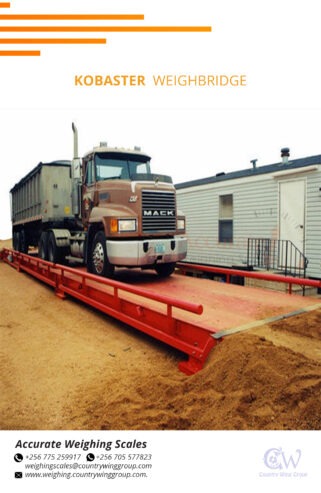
(62, 17)
(53, 41)
(129, 29)
(74, 29)
(19, 53)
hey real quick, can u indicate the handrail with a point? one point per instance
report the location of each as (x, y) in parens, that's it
(272, 254)
(229, 273)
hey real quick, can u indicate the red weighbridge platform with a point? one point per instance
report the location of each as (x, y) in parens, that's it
(126, 303)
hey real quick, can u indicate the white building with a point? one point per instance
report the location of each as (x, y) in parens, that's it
(265, 217)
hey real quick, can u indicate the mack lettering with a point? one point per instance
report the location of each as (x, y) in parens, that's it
(159, 213)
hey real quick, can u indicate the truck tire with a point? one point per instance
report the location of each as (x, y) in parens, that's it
(98, 261)
(165, 270)
(20, 241)
(16, 241)
(54, 252)
(23, 242)
(43, 246)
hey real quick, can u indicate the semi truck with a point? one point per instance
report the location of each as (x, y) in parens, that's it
(104, 210)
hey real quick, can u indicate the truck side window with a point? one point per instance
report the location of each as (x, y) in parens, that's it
(90, 173)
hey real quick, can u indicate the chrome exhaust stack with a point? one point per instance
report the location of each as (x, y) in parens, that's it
(75, 175)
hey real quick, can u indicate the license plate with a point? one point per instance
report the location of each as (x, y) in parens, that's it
(159, 248)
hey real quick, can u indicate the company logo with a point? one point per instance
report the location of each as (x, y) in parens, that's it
(282, 463)
(151, 213)
(275, 458)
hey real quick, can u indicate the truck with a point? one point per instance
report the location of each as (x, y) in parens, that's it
(104, 210)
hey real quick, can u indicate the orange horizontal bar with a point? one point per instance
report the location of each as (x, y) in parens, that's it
(19, 53)
(62, 17)
(53, 41)
(4, 5)
(123, 29)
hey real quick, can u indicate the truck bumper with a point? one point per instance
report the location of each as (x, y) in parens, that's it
(146, 252)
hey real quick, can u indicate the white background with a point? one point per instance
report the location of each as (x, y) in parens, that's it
(190, 132)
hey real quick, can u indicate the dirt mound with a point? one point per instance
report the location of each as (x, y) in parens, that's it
(307, 325)
(247, 384)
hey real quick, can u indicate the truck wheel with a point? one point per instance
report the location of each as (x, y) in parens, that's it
(98, 261)
(23, 242)
(165, 270)
(54, 252)
(43, 246)
(16, 241)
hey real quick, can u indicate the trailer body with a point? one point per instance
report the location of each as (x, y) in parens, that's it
(42, 199)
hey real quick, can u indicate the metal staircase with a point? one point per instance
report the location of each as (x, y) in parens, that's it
(276, 255)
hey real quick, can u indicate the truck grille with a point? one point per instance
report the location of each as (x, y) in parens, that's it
(159, 211)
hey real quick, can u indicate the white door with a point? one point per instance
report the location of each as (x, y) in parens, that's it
(292, 212)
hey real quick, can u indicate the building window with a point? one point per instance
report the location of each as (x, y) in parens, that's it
(225, 222)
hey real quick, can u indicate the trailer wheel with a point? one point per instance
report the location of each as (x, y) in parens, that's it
(98, 261)
(165, 270)
(43, 246)
(54, 252)
(23, 242)
(16, 241)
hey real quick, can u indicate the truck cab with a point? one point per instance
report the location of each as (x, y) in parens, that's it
(129, 214)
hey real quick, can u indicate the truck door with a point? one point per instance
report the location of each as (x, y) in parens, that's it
(89, 190)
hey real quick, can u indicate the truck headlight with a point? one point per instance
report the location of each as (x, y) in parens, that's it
(126, 225)
(181, 223)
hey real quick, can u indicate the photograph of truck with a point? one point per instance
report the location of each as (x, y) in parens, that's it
(104, 210)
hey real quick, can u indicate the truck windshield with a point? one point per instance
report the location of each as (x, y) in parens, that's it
(121, 166)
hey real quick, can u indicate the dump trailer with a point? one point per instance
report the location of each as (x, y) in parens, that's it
(104, 210)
